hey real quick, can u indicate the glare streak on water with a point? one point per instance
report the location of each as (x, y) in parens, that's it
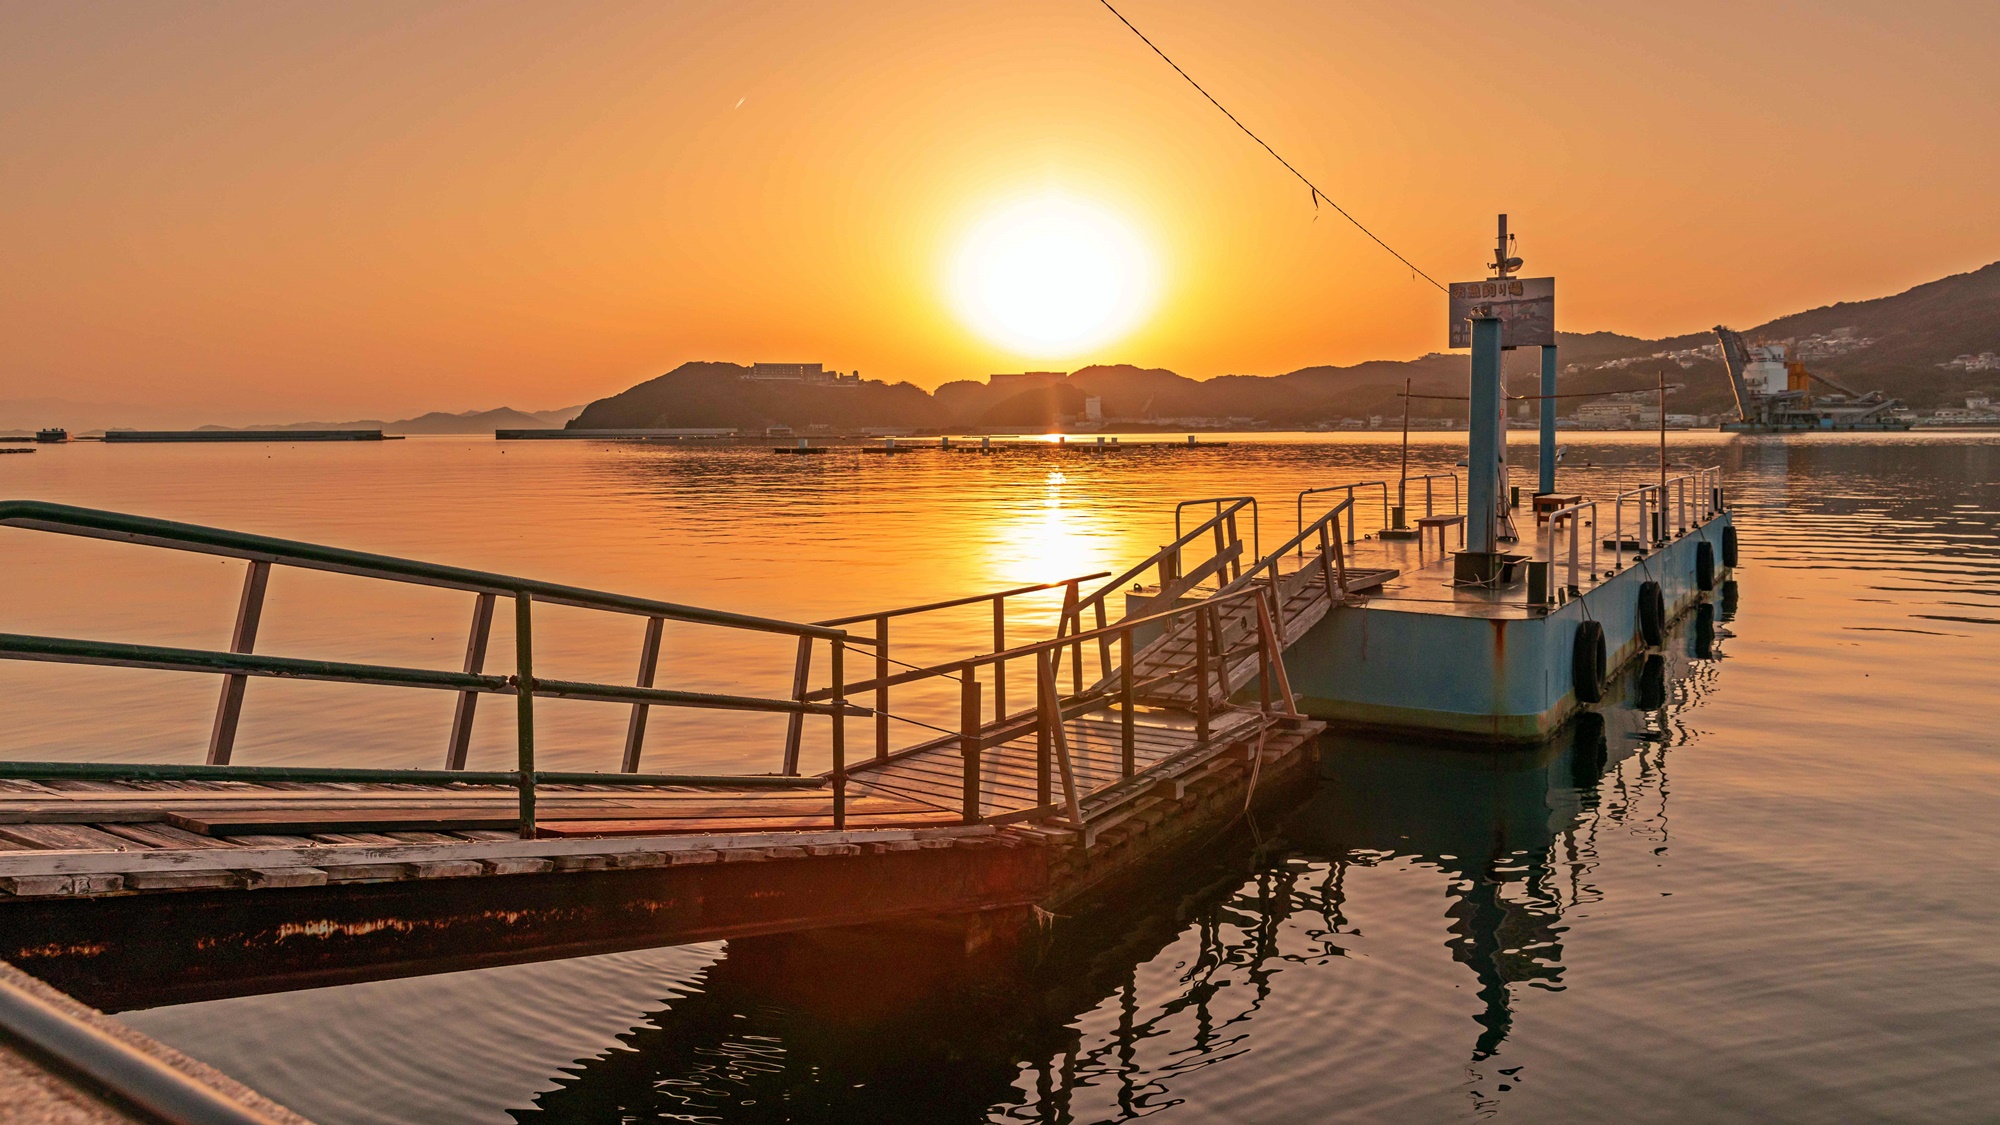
(1764, 894)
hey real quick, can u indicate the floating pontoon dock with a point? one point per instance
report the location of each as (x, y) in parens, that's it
(1407, 645)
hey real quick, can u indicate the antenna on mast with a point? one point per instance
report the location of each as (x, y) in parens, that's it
(1504, 263)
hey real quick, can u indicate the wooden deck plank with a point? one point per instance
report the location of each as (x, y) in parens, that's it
(67, 837)
(579, 828)
(238, 823)
(947, 781)
(162, 836)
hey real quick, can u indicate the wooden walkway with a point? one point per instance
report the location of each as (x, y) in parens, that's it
(1166, 711)
(163, 821)
(111, 871)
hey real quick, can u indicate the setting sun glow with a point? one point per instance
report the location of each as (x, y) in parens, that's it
(1052, 276)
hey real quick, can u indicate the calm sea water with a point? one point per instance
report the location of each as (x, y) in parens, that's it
(1760, 888)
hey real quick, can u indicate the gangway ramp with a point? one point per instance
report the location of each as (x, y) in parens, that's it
(153, 882)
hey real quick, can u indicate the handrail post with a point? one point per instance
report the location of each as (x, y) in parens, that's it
(1617, 534)
(1068, 620)
(649, 663)
(468, 701)
(839, 734)
(249, 613)
(1127, 743)
(1575, 526)
(1278, 599)
(1044, 684)
(1201, 677)
(1326, 541)
(1594, 573)
(1053, 720)
(1549, 551)
(968, 741)
(1076, 647)
(1282, 678)
(1263, 656)
(795, 727)
(881, 687)
(1339, 570)
(999, 666)
(524, 703)
(1103, 641)
(1221, 641)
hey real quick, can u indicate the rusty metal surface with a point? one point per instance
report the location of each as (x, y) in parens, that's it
(131, 951)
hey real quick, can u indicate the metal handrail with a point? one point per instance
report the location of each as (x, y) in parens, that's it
(1708, 480)
(1573, 514)
(239, 664)
(1236, 504)
(1052, 708)
(1181, 539)
(136, 1078)
(1402, 489)
(1052, 644)
(1333, 562)
(1167, 559)
(802, 670)
(170, 771)
(1297, 541)
(1349, 489)
(92, 523)
(970, 599)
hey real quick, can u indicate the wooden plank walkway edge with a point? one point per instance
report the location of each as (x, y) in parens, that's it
(22, 864)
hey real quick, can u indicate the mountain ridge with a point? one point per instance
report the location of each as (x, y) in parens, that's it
(1902, 343)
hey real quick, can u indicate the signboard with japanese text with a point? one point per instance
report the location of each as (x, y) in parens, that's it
(1526, 307)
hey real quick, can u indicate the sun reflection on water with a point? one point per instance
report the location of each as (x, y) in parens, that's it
(1049, 540)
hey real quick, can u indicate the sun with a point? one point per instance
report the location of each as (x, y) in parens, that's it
(1052, 276)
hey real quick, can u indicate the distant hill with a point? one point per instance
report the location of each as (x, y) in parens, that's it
(704, 395)
(482, 421)
(1901, 344)
(438, 422)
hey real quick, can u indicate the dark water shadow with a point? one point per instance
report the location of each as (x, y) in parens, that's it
(914, 1024)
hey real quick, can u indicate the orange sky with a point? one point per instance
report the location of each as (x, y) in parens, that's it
(277, 211)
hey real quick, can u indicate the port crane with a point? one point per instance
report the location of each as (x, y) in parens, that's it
(1774, 393)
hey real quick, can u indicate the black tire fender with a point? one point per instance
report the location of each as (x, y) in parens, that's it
(1704, 565)
(1652, 614)
(1729, 546)
(1586, 662)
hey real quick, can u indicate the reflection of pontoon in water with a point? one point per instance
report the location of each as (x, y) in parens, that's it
(867, 1024)
(1512, 829)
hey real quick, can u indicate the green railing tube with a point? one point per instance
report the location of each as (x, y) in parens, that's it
(176, 771)
(524, 697)
(94, 523)
(66, 650)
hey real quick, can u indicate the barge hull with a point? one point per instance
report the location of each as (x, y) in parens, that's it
(1496, 673)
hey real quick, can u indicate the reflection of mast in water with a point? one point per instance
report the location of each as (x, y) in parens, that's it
(1516, 831)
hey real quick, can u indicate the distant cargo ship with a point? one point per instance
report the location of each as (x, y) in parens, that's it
(1774, 394)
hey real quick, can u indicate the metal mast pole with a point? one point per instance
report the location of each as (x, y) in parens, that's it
(1662, 506)
(1548, 420)
(1403, 479)
(1482, 485)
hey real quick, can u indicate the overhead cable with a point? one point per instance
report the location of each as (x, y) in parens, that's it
(1318, 196)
